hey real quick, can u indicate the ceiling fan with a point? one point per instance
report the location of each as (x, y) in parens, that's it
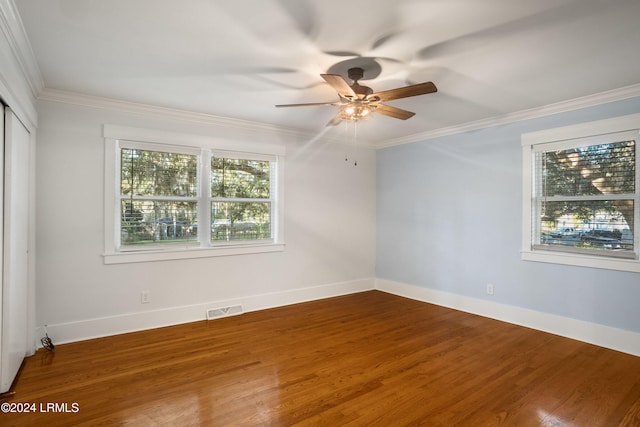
(357, 102)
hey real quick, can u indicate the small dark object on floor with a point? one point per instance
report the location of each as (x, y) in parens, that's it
(46, 341)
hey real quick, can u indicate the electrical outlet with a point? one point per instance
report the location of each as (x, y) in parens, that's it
(144, 297)
(490, 289)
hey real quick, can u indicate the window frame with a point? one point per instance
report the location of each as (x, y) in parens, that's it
(590, 133)
(122, 136)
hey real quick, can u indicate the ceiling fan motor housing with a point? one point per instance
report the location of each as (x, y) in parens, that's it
(355, 73)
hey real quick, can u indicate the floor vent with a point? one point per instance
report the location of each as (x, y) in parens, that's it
(216, 313)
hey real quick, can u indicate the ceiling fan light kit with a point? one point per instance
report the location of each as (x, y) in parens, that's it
(356, 110)
(358, 102)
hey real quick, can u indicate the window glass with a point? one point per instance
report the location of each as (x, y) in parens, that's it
(157, 173)
(153, 221)
(156, 197)
(160, 202)
(240, 221)
(591, 170)
(239, 178)
(585, 198)
(241, 203)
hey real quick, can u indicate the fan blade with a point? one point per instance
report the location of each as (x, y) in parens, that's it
(336, 120)
(396, 113)
(403, 92)
(311, 104)
(340, 85)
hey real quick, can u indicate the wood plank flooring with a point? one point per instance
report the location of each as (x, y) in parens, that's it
(367, 359)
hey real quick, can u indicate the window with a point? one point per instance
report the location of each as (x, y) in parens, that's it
(158, 196)
(581, 191)
(241, 201)
(188, 199)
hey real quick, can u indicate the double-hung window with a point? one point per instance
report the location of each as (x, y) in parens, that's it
(158, 195)
(177, 196)
(241, 197)
(582, 194)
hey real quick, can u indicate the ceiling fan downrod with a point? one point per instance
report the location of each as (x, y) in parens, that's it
(355, 74)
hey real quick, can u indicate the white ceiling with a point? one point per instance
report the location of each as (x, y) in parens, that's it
(238, 58)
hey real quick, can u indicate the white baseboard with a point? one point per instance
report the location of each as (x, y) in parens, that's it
(592, 333)
(104, 326)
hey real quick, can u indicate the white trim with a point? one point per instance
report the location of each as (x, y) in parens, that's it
(173, 253)
(20, 80)
(532, 113)
(32, 245)
(119, 324)
(592, 333)
(148, 110)
(110, 104)
(615, 125)
(528, 169)
(16, 35)
(129, 133)
(239, 155)
(568, 258)
(91, 101)
(165, 148)
(111, 190)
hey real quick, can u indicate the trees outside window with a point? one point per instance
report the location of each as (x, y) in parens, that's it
(585, 197)
(240, 199)
(163, 193)
(581, 194)
(158, 192)
(171, 195)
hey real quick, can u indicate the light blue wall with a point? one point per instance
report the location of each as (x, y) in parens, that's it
(449, 213)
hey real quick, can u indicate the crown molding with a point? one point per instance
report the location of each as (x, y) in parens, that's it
(532, 113)
(16, 35)
(92, 101)
(20, 78)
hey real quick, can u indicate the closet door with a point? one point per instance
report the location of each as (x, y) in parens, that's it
(14, 346)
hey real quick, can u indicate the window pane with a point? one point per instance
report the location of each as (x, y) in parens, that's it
(157, 173)
(596, 169)
(145, 221)
(240, 221)
(592, 225)
(239, 178)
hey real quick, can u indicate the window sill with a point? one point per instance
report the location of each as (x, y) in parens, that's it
(580, 260)
(189, 253)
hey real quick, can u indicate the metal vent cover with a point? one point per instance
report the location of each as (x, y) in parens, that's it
(216, 313)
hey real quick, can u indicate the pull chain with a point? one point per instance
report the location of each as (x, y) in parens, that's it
(355, 141)
(346, 133)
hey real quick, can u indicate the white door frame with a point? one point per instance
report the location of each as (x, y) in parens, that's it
(15, 337)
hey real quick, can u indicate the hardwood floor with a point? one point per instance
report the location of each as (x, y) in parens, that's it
(368, 359)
